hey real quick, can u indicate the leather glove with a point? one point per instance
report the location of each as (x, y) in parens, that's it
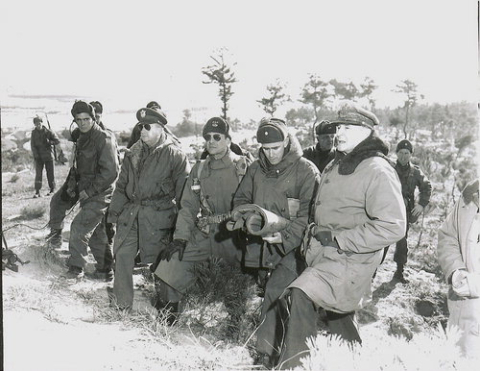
(172, 248)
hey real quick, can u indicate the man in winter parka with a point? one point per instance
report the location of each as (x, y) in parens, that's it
(282, 182)
(324, 151)
(42, 142)
(96, 165)
(459, 257)
(201, 231)
(411, 178)
(145, 202)
(358, 211)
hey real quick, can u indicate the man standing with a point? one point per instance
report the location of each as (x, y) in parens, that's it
(282, 182)
(459, 257)
(42, 142)
(411, 178)
(98, 113)
(96, 167)
(145, 201)
(209, 191)
(324, 151)
(358, 211)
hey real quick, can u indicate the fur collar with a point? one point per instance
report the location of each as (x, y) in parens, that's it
(140, 149)
(370, 147)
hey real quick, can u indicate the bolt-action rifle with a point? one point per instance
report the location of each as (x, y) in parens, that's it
(54, 147)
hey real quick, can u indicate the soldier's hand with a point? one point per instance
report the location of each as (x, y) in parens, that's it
(417, 210)
(172, 248)
(460, 282)
(275, 237)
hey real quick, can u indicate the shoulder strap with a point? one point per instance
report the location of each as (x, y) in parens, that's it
(241, 167)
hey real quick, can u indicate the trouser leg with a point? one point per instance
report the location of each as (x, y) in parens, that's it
(49, 167)
(101, 249)
(344, 325)
(124, 264)
(302, 324)
(401, 251)
(38, 174)
(272, 320)
(58, 210)
(81, 230)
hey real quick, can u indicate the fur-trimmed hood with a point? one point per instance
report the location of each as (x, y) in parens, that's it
(370, 147)
(293, 154)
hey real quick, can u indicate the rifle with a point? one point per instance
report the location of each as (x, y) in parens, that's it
(54, 147)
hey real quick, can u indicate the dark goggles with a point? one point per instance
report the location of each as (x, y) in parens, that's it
(146, 126)
(216, 137)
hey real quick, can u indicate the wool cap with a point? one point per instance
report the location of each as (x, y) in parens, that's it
(216, 125)
(151, 116)
(325, 127)
(37, 120)
(98, 106)
(271, 130)
(350, 113)
(81, 106)
(405, 144)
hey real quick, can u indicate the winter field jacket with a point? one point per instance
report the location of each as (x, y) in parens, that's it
(454, 251)
(412, 177)
(42, 142)
(209, 191)
(458, 248)
(359, 201)
(272, 187)
(96, 162)
(149, 187)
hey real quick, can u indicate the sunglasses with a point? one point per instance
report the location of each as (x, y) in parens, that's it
(216, 137)
(146, 126)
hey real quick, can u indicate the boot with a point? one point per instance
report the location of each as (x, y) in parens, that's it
(398, 275)
(74, 273)
(103, 275)
(54, 238)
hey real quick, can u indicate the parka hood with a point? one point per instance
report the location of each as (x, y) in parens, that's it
(293, 153)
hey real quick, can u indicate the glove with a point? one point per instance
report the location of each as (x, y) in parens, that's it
(417, 210)
(172, 248)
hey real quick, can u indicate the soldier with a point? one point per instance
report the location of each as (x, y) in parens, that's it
(42, 142)
(91, 183)
(61, 203)
(411, 178)
(280, 182)
(459, 257)
(324, 151)
(144, 204)
(358, 211)
(209, 191)
(98, 113)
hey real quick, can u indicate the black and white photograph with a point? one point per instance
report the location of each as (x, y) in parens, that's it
(240, 185)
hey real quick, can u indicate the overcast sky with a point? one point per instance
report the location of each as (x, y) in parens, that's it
(127, 53)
